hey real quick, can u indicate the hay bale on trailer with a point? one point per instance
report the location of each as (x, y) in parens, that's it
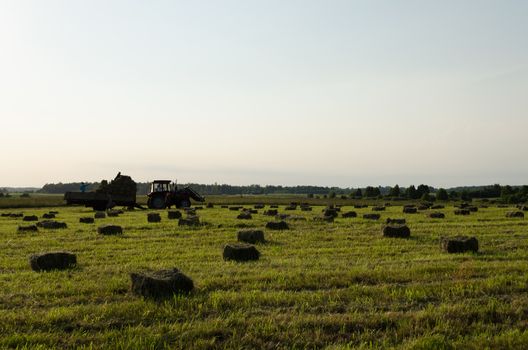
(52, 261)
(160, 284)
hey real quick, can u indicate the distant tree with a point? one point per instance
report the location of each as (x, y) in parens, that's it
(358, 193)
(427, 197)
(506, 191)
(371, 191)
(310, 195)
(332, 194)
(1, 194)
(465, 196)
(411, 192)
(395, 191)
(442, 195)
(421, 190)
(24, 195)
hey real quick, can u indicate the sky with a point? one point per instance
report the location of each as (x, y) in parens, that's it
(291, 92)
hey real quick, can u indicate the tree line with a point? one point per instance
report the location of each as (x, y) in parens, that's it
(507, 193)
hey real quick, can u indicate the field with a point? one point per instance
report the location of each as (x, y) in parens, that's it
(318, 285)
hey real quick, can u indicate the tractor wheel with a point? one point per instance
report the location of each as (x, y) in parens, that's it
(157, 202)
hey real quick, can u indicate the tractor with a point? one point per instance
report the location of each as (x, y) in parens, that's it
(164, 194)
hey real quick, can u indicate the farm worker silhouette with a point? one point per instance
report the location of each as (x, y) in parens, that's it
(83, 187)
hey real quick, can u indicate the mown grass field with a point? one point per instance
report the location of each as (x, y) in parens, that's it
(318, 285)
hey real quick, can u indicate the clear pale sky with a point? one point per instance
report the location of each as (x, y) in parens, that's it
(346, 93)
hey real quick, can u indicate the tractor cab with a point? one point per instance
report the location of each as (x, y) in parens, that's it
(162, 186)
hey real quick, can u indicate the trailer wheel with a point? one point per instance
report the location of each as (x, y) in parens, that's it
(157, 202)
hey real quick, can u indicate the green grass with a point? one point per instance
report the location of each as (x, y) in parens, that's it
(318, 285)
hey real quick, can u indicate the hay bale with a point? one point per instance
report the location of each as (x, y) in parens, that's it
(52, 261)
(5, 215)
(53, 212)
(330, 212)
(52, 224)
(189, 221)
(437, 215)
(244, 216)
(515, 214)
(30, 218)
(282, 216)
(390, 221)
(274, 206)
(459, 244)
(473, 209)
(306, 208)
(86, 220)
(324, 218)
(110, 230)
(113, 213)
(371, 216)
(160, 284)
(153, 217)
(423, 207)
(174, 214)
(210, 205)
(437, 206)
(198, 207)
(378, 208)
(258, 206)
(100, 215)
(349, 214)
(224, 206)
(290, 207)
(277, 225)
(251, 236)
(396, 231)
(28, 228)
(462, 212)
(235, 208)
(523, 207)
(48, 216)
(240, 252)
(410, 210)
(270, 212)
(360, 206)
(16, 215)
